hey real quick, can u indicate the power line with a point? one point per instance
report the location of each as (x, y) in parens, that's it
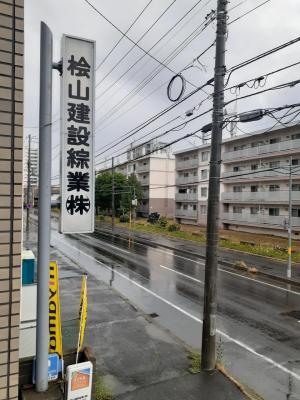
(122, 37)
(248, 12)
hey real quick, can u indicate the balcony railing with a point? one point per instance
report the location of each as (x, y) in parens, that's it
(179, 213)
(259, 219)
(193, 163)
(186, 196)
(142, 168)
(182, 180)
(144, 181)
(254, 174)
(261, 150)
(260, 196)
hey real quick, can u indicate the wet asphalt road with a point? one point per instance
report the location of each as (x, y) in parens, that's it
(258, 321)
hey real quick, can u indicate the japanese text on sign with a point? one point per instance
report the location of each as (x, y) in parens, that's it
(77, 136)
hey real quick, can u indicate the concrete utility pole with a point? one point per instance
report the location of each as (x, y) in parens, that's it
(289, 266)
(208, 355)
(112, 195)
(28, 195)
(42, 330)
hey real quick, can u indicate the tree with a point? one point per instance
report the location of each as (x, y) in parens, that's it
(134, 189)
(103, 190)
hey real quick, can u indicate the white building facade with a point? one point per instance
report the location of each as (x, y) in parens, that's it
(254, 182)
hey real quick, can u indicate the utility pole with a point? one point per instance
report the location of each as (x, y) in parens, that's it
(289, 266)
(44, 217)
(113, 195)
(208, 355)
(28, 195)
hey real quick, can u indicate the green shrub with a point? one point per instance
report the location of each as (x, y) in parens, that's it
(101, 217)
(162, 222)
(174, 227)
(153, 218)
(124, 218)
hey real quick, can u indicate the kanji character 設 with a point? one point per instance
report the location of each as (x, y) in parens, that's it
(81, 66)
(79, 113)
(78, 136)
(78, 181)
(75, 204)
(78, 158)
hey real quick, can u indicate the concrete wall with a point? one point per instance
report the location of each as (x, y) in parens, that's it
(11, 145)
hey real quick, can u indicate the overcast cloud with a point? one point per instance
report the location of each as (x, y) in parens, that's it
(267, 27)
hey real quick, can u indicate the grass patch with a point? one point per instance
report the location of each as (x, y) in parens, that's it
(195, 362)
(101, 391)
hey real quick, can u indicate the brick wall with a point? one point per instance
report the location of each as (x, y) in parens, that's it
(11, 144)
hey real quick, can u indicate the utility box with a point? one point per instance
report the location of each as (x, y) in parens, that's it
(28, 267)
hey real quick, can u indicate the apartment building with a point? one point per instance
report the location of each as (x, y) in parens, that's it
(254, 186)
(34, 170)
(11, 150)
(155, 170)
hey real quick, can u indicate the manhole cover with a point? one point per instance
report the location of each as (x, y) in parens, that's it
(293, 314)
(153, 315)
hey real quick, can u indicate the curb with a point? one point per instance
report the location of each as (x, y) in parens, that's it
(223, 263)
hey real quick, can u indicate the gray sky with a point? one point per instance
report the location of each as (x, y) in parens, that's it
(267, 27)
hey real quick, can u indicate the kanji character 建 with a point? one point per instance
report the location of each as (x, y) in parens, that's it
(81, 66)
(78, 158)
(78, 92)
(79, 113)
(78, 136)
(75, 204)
(78, 181)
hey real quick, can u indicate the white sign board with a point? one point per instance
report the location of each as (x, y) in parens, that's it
(79, 379)
(77, 135)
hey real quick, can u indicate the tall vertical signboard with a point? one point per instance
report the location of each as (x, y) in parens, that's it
(77, 135)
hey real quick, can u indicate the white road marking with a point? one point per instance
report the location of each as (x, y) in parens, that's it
(225, 335)
(222, 270)
(181, 273)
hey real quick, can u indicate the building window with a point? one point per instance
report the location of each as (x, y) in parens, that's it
(204, 174)
(144, 176)
(204, 156)
(204, 192)
(186, 174)
(254, 167)
(236, 169)
(237, 209)
(296, 161)
(254, 189)
(274, 164)
(237, 189)
(195, 156)
(134, 167)
(296, 187)
(274, 212)
(296, 136)
(182, 190)
(195, 173)
(194, 207)
(194, 190)
(274, 140)
(254, 210)
(185, 207)
(203, 209)
(274, 188)
(185, 158)
(296, 212)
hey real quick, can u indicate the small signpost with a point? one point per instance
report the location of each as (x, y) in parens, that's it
(79, 380)
(77, 135)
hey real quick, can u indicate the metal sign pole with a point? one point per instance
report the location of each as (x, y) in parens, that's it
(42, 329)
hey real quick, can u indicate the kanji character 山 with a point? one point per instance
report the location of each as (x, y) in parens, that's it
(78, 92)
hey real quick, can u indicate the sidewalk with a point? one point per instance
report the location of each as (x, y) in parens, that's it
(264, 264)
(136, 358)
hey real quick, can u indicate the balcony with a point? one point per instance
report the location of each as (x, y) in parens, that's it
(186, 197)
(192, 163)
(260, 197)
(190, 214)
(144, 181)
(252, 152)
(259, 219)
(254, 175)
(142, 168)
(183, 180)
